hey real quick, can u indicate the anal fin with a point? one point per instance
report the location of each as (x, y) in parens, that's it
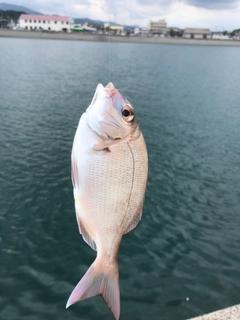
(86, 237)
(135, 222)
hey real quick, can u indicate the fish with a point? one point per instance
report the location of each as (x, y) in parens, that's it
(109, 169)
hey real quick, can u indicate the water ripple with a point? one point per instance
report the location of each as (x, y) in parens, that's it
(187, 244)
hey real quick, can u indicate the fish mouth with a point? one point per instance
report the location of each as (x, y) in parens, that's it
(111, 90)
(104, 117)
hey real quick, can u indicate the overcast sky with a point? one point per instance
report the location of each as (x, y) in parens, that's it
(213, 14)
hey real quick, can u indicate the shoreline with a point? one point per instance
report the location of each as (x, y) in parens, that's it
(105, 38)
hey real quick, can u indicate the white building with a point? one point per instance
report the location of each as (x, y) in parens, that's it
(220, 36)
(159, 27)
(136, 31)
(41, 22)
(197, 33)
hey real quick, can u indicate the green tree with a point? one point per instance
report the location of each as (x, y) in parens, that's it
(172, 33)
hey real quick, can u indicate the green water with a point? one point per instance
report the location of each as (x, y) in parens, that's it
(183, 259)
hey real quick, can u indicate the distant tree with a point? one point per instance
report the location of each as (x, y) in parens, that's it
(233, 33)
(172, 33)
(180, 33)
(10, 14)
(225, 33)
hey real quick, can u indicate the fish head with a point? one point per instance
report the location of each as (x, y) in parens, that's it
(110, 115)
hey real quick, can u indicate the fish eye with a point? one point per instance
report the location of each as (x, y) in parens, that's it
(127, 114)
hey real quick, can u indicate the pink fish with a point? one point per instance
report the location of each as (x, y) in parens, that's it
(109, 175)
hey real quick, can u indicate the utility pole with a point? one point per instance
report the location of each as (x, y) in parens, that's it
(1, 16)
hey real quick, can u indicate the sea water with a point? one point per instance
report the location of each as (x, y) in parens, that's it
(183, 259)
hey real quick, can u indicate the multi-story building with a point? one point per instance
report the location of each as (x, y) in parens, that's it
(41, 22)
(157, 27)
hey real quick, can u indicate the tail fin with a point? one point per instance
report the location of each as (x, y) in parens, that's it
(99, 279)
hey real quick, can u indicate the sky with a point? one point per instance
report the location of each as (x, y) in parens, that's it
(217, 15)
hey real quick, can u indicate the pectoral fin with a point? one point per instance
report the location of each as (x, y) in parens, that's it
(102, 145)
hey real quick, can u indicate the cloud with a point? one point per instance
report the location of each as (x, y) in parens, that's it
(111, 7)
(156, 3)
(213, 14)
(207, 4)
(213, 4)
(59, 7)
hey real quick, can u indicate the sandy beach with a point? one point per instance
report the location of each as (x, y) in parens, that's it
(105, 38)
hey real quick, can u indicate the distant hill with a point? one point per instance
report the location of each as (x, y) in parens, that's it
(7, 16)
(174, 28)
(13, 7)
(99, 22)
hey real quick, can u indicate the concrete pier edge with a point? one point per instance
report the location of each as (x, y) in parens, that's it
(231, 313)
(5, 33)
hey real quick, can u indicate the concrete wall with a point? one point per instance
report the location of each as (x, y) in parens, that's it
(196, 36)
(106, 38)
(231, 313)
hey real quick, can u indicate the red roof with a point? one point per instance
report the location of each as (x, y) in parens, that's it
(41, 17)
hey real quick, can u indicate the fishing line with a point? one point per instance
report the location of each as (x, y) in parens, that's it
(109, 66)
